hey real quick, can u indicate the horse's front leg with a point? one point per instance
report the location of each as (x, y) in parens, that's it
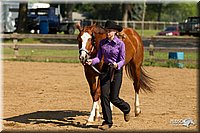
(95, 92)
(94, 114)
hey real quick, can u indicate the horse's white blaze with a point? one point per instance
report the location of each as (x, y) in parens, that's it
(84, 38)
(95, 107)
(137, 104)
(83, 54)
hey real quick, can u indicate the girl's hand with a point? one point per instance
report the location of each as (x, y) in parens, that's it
(115, 65)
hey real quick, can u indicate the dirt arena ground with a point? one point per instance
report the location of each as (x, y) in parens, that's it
(55, 97)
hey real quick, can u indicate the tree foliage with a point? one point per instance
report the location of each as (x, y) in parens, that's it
(154, 11)
(176, 12)
(170, 12)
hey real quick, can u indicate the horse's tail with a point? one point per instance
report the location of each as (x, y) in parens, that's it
(146, 81)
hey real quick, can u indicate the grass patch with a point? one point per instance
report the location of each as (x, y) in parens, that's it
(42, 55)
(148, 33)
(23, 41)
(39, 41)
(164, 55)
(43, 60)
(41, 52)
(151, 61)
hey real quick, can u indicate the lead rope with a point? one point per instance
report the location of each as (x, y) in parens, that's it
(95, 69)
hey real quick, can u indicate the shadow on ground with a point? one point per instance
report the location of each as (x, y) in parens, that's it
(59, 118)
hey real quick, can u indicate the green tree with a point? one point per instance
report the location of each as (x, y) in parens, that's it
(22, 18)
(154, 11)
(83, 7)
(180, 12)
(170, 12)
(112, 11)
(107, 11)
(66, 10)
(125, 11)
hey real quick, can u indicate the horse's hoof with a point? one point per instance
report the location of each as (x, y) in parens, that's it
(97, 119)
(89, 123)
(137, 113)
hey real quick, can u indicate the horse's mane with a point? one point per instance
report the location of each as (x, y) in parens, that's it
(99, 29)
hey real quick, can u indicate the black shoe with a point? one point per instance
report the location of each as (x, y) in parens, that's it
(127, 117)
(104, 126)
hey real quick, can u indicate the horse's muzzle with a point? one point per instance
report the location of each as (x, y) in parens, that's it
(83, 59)
(83, 56)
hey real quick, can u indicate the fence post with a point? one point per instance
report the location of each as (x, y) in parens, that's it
(15, 47)
(151, 51)
(151, 48)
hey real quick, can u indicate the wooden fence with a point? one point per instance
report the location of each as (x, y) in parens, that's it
(148, 25)
(156, 42)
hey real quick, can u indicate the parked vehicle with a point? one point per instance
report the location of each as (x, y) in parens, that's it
(191, 26)
(40, 16)
(45, 20)
(169, 31)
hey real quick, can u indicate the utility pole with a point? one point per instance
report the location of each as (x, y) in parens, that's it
(143, 17)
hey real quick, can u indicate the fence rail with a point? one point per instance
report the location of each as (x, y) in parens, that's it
(67, 36)
(75, 47)
(148, 25)
(37, 36)
(194, 41)
(161, 44)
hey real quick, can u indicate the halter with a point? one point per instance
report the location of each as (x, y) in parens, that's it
(93, 40)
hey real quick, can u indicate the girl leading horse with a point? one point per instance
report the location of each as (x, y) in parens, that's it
(89, 38)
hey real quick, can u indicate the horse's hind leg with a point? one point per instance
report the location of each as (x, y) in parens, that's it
(137, 104)
(136, 75)
(137, 87)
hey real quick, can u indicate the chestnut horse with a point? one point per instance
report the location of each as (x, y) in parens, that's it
(88, 39)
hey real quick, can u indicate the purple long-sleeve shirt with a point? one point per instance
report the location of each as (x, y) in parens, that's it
(113, 51)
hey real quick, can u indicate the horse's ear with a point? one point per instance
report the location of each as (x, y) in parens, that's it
(94, 23)
(78, 26)
(98, 29)
(93, 27)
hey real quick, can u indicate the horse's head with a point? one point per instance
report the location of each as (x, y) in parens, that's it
(87, 40)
